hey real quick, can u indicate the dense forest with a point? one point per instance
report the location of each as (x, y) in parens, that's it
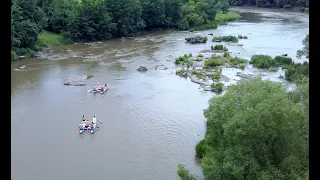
(271, 3)
(92, 20)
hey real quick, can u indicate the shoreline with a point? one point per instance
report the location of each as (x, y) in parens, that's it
(233, 15)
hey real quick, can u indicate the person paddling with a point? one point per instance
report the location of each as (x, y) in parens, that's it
(87, 123)
(94, 120)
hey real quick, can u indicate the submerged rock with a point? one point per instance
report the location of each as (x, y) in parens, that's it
(244, 76)
(76, 81)
(211, 34)
(142, 69)
(20, 68)
(214, 90)
(240, 37)
(245, 37)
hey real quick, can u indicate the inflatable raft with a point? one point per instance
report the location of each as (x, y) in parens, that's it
(82, 127)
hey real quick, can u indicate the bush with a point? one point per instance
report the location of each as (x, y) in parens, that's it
(199, 75)
(200, 149)
(226, 39)
(182, 73)
(273, 69)
(219, 47)
(296, 72)
(184, 174)
(262, 61)
(13, 56)
(20, 51)
(237, 60)
(181, 59)
(217, 86)
(204, 39)
(229, 16)
(216, 75)
(210, 25)
(200, 55)
(227, 55)
(282, 60)
(89, 76)
(242, 66)
(211, 63)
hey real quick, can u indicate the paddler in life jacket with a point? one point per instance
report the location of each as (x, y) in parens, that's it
(81, 128)
(94, 88)
(94, 120)
(91, 126)
(87, 124)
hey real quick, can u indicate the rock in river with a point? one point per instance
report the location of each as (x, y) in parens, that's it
(76, 81)
(20, 68)
(240, 37)
(142, 69)
(19, 58)
(207, 88)
(244, 76)
(198, 81)
(214, 90)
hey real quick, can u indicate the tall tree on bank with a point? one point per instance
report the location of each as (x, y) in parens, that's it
(256, 131)
(27, 21)
(126, 14)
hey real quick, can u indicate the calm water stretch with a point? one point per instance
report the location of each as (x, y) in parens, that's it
(150, 121)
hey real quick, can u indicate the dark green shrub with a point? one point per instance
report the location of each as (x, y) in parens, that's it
(200, 149)
(262, 61)
(226, 39)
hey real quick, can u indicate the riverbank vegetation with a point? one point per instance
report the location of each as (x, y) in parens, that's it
(221, 18)
(93, 20)
(293, 71)
(219, 47)
(225, 39)
(258, 129)
(301, 4)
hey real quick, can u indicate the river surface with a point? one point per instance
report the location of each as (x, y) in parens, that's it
(150, 121)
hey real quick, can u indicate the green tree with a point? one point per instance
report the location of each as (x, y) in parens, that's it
(27, 22)
(173, 12)
(256, 131)
(60, 13)
(92, 21)
(126, 14)
(153, 13)
(305, 50)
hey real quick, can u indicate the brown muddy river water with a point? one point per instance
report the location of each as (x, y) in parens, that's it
(150, 121)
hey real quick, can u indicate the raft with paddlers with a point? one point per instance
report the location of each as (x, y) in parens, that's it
(87, 125)
(99, 89)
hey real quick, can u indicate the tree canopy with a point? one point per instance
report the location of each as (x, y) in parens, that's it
(256, 130)
(90, 20)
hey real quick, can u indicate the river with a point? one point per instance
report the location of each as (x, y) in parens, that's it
(150, 121)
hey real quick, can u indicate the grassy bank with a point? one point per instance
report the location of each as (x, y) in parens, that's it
(45, 39)
(220, 19)
(49, 39)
